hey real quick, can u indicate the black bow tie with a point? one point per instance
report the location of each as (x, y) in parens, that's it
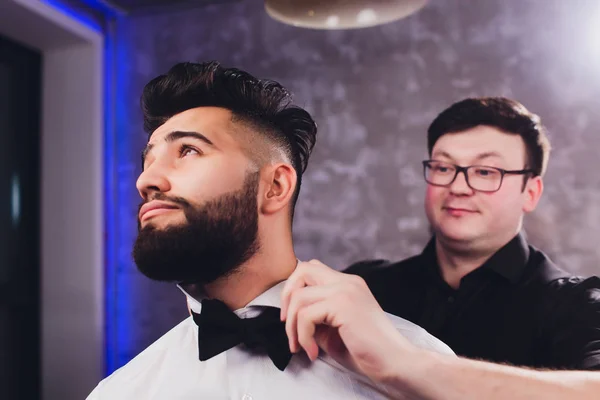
(219, 329)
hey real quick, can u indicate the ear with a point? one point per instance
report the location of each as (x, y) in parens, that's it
(280, 185)
(533, 192)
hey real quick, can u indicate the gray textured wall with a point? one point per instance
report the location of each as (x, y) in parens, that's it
(373, 93)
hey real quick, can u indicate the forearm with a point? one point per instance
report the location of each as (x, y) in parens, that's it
(438, 377)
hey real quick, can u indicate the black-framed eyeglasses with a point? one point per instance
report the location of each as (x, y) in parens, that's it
(479, 177)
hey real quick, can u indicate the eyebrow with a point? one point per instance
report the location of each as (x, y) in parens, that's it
(487, 154)
(176, 135)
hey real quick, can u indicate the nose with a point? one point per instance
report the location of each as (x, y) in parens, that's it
(153, 179)
(460, 187)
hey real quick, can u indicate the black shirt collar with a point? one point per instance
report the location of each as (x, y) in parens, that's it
(509, 262)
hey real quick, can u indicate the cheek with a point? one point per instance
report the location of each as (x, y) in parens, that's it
(199, 183)
(501, 206)
(434, 196)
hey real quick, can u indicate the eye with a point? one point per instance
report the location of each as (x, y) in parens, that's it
(441, 168)
(486, 172)
(186, 150)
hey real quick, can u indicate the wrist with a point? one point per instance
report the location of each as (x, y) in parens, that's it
(413, 371)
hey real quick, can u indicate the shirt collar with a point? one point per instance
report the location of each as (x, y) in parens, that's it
(509, 261)
(269, 298)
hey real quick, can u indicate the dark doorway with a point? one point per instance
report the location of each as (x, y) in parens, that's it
(20, 87)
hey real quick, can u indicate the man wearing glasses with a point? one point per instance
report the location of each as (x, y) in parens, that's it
(478, 286)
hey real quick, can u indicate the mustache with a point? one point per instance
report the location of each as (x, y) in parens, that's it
(180, 201)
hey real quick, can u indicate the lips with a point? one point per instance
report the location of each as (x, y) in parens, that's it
(153, 208)
(458, 211)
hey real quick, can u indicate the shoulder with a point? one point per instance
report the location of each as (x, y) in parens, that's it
(365, 267)
(419, 336)
(558, 283)
(575, 299)
(562, 293)
(541, 270)
(148, 360)
(576, 291)
(382, 267)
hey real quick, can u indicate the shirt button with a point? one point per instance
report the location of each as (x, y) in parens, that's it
(247, 397)
(451, 299)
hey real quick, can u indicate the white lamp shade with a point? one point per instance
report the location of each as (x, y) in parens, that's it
(340, 14)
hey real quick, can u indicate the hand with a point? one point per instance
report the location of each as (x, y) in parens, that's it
(336, 312)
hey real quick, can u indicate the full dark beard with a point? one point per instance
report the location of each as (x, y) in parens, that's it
(215, 240)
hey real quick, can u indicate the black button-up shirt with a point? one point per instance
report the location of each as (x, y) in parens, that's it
(517, 308)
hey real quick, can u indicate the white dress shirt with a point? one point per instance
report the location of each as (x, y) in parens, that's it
(169, 369)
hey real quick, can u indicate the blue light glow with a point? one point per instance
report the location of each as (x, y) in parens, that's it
(116, 327)
(111, 303)
(76, 15)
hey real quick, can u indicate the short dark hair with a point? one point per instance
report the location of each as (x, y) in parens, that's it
(264, 105)
(508, 115)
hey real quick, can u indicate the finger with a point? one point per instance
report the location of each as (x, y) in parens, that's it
(321, 266)
(308, 319)
(299, 299)
(295, 282)
(309, 273)
(305, 274)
